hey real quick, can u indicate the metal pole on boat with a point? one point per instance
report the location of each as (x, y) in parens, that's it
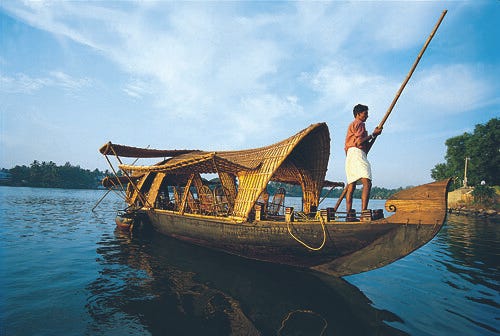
(401, 88)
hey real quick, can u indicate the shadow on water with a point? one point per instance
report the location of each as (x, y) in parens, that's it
(157, 285)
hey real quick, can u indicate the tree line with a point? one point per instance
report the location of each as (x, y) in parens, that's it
(481, 149)
(49, 175)
(296, 191)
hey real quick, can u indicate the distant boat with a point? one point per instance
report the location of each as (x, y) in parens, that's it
(236, 217)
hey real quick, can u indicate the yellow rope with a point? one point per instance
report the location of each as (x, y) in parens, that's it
(306, 245)
(307, 311)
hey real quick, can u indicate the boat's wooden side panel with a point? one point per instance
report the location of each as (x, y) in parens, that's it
(425, 204)
(271, 241)
(420, 212)
(349, 248)
(395, 245)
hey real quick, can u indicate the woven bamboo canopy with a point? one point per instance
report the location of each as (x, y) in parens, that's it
(128, 151)
(301, 159)
(114, 181)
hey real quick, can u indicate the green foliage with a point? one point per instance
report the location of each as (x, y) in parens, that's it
(382, 193)
(483, 149)
(49, 175)
(484, 195)
(291, 190)
(296, 191)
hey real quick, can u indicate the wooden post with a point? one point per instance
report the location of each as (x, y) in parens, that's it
(258, 212)
(330, 214)
(289, 214)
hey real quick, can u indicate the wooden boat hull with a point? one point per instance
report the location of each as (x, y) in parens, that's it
(349, 248)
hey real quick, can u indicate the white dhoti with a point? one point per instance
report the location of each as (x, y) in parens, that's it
(357, 165)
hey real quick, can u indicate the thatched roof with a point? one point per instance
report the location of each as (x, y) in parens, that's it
(193, 162)
(114, 181)
(301, 159)
(307, 151)
(128, 151)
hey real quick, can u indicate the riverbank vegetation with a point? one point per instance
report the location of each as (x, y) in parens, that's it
(475, 156)
(481, 149)
(482, 201)
(49, 175)
(296, 191)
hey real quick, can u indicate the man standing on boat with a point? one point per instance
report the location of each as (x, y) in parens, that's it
(357, 167)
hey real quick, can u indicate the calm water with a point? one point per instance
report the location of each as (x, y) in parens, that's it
(66, 271)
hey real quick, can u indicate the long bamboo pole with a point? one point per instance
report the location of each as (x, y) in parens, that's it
(410, 73)
(398, 94)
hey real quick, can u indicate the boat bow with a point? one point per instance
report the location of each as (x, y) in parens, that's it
(425, 204)
(420, 213)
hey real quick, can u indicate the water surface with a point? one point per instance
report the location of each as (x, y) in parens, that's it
(67, 271)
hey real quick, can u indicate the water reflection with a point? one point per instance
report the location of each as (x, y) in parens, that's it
(159, 285)
(472, 242)
(470, 255)
(65, 272)
(448, 287)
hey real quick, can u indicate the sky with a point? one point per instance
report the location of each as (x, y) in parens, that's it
(231, 75)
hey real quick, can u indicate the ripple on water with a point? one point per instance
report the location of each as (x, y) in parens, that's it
(66, 271)
(455, 277)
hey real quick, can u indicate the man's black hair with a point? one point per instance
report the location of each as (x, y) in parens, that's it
(359, 108)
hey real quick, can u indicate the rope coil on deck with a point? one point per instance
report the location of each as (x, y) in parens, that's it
(322, 221)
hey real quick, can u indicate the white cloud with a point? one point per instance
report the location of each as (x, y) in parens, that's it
(441, 91)
(450, 89)
(22, 83)
(261, 114)
(238, 74)
(401, 25)
(362, 28)
(67, 82)
(137, 88)
(45, 15)
(206, 57)
(341, 85)
(341, 81)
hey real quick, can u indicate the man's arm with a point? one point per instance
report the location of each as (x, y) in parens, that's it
(371, 138)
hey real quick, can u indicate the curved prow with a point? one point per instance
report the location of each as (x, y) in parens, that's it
(420, 214)
(425, 204)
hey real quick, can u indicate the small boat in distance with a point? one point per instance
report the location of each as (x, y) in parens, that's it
(236, 216)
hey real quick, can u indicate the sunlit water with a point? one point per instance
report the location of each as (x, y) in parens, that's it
(67, 271)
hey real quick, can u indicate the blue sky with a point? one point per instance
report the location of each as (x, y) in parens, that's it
(235, 75)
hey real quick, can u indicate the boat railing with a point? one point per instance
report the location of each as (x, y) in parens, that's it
(329, 215)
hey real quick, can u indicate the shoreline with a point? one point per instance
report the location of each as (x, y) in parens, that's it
(483, 213)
